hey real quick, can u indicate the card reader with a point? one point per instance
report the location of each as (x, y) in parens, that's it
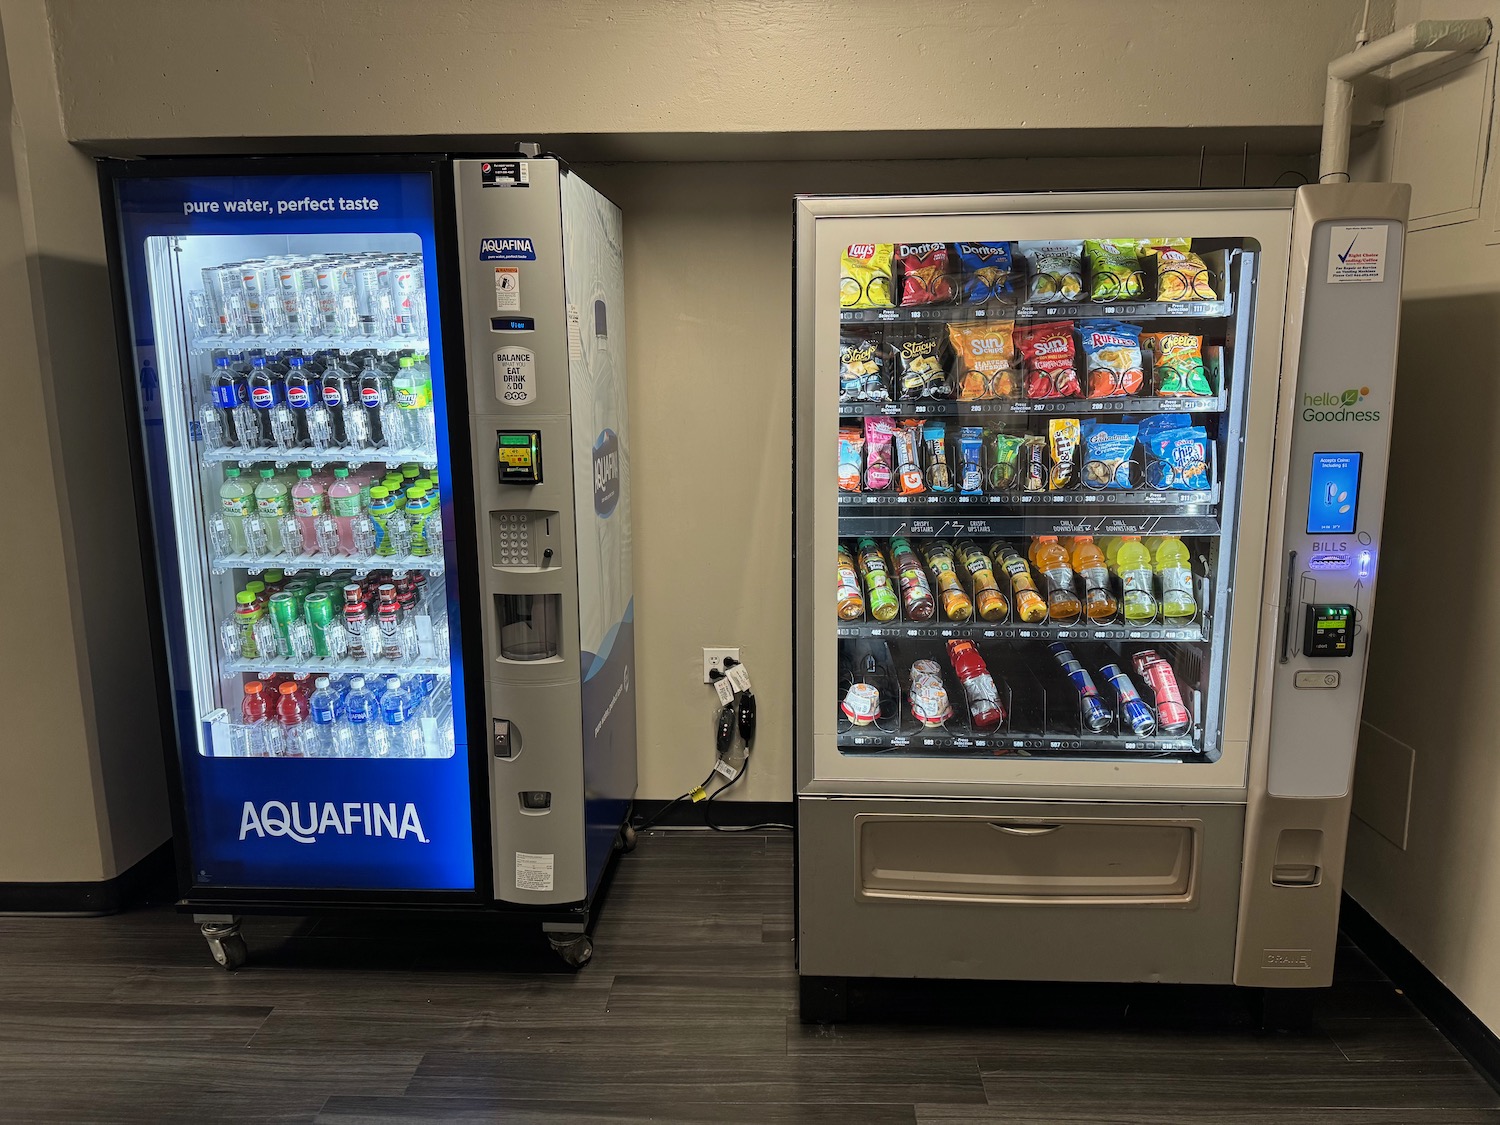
(1329, 630)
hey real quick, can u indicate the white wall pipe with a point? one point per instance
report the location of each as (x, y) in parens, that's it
(1413, 39)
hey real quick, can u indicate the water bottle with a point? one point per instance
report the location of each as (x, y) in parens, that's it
(403, 733)
(361, 714)
(322, 741)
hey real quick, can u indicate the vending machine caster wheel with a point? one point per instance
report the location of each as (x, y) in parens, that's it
(226, 944)
(575, 951)
(625, 842)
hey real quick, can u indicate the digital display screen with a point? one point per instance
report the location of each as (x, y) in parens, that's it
(1333, 494)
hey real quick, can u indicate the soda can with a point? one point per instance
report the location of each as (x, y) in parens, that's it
(1137, 714)
(1171, 714)
(1142, 660)
(1095, 714)
(320, 610)
(283, 613)
(299, 588)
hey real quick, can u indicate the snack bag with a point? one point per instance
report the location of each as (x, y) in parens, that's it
(986, 267)
(908, 437)
(935, 444)
(1056, 272)
(1051, 365)
(1112, 358)
(1180, 274)
(983, 365)
(861, 369)
(851, 458)
(919, 367)
(1180, 460)
(1154, 425)
(1034, 464)
(1177, 369)
(865, 282)
(924, 274)
(970, 478)
(1063, 438)
(880, 453)
(1107, 452)
(1115, 269)
(1005, 460)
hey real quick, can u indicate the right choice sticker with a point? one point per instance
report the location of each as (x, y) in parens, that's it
(1357, 252)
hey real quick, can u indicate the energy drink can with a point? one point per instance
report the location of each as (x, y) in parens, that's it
(1172, 716)
(1095, 714)
(1136, 713)
(320, 616)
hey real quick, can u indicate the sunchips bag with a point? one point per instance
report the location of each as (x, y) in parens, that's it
(1115, 269)
(986, 271)
(1177, 369)
(1112, 358)
(865, 282)
(1180, 274)
(925, 278)
(1056, 272)
(1051, 364)
(983, 363)
(920, 372)
(861, 369)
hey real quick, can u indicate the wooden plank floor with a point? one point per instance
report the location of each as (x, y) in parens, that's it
(687, 1015)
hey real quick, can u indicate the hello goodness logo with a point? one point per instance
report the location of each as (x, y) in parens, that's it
(1336, 406)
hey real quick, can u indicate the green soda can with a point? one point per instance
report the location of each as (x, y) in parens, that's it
(283, 613)
(320, 617)
(299, 588)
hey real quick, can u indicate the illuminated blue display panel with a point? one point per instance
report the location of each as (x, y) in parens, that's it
(269, 808)
(1333, 494)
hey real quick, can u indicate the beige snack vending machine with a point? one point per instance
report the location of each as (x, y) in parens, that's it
(1088, 503)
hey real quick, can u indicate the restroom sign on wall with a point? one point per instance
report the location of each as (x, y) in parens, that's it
(515, 376)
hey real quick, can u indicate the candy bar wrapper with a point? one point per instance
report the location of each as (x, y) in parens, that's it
(851, 458)
(1064, 436)
(935, 442)
(909, 459)
(970, 447)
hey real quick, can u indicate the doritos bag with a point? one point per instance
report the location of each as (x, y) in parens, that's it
(986, 270)
(924, 274)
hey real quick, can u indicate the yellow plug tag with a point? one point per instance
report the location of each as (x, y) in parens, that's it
(699, 794)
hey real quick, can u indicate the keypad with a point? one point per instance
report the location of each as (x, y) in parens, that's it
(514, 535)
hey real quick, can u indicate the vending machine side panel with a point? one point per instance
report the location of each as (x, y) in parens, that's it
(594, 275)
(1333, 438)
(511, 266)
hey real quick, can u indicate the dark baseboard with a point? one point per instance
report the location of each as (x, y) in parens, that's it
(1449, 1014)
(153, 879)
(726, 814)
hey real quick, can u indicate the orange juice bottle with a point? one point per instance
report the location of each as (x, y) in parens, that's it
(1090, 565)
(1057, 577)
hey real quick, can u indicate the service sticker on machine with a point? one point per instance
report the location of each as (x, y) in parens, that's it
(1357, 252)
(505, 173)
(507, 288)
(534, 871)
(515, 376)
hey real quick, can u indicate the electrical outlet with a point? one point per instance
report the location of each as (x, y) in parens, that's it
(713, 658)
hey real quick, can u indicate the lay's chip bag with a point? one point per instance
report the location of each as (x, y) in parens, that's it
(1180, 274)
(1115, 269)
(865, 282)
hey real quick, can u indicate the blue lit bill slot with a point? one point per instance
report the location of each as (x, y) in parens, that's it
(1333, 494)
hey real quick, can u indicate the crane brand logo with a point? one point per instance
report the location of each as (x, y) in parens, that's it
(506, 250)
(1338, 406)
(276, 818)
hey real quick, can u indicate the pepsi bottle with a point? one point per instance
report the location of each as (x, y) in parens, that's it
(337, 387)
(229, 389)
(302, 391)
(374, 392)
(267, 389)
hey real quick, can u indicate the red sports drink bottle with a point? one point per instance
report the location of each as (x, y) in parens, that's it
(985, 708)
(254, 707)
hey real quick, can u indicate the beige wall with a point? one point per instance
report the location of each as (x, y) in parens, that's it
(1429, 768)
(721, 78)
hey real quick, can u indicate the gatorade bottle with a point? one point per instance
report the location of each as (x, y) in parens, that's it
(1090, 565)
(254, 707)
(308, 503)
(1057, 577)
(1174, 566)
(291, 712)
(1029, 604)
(238, 501)
(1109, 544)
(271, 505)
(257, 589)
(344, 503)
(382, 507)
(1133, 565)
(246, 614)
